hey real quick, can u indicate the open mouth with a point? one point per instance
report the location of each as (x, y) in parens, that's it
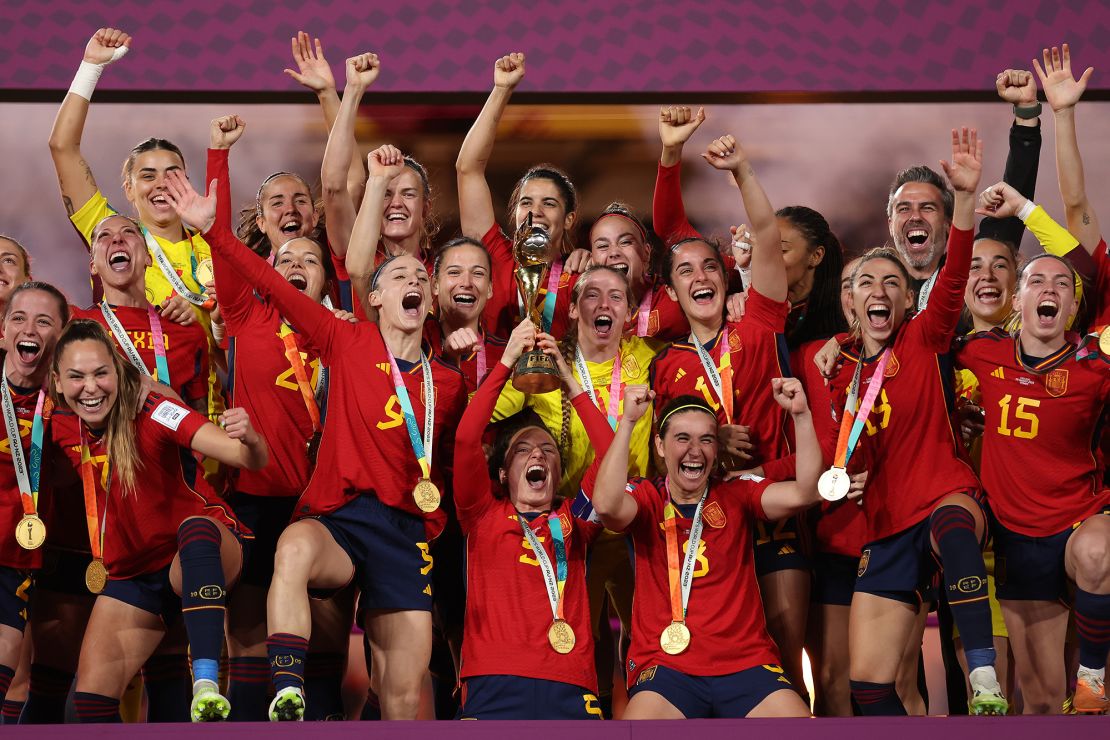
(621, 267)
(410, 303)
(159, 201)
(397, 218)
(119, 260)
(535, 476)
(1047, 310)
(92, 404)
(298, 281)
(28, 351)
(692, 470)
(988, 295)
(917, 237)
(464, 300)
(703, 296)
(291, 227)
(603, 325)
(878, 316)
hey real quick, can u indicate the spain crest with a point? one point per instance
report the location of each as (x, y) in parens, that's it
(1056, 382)
(891, 366)
(863, 561)
(653, 323)
(734, 344)
(714, 515)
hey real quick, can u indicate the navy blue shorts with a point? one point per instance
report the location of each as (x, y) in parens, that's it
(902, 567)
(63, 572)
(779, 546)
(16, 587)
(516, 697)
(267, 517)
(449, 576)
(834, 579)
(1031, 568)
(733, 695)
(150, 592)
(388, 547)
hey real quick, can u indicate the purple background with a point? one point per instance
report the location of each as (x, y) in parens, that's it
(574, 46)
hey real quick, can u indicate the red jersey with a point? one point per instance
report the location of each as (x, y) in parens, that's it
(1048, 415)
(262, 379)
(140, 526)
(503, 310)
(725, 613)
(757, 355)
(489, 356)
(1102, 286)
(508, 611)
(11, 503)
(186, 347)
(911, 446)
(64, 511)
(365, 448)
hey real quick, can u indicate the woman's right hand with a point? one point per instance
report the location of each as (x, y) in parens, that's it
(385, 162)
(225, 131)
(104, 45)
(826, 357)
(520, 341)
(508, 71)
(362, 70)
(677, 124)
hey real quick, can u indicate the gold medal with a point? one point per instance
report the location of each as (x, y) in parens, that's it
(675, 639)
(204, 273)
(1104, 341)
(561, 636)
(30, 533)
(426, 496)
(96, 576)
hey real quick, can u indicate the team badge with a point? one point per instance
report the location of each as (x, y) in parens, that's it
(645, 676)
(892, 366)
(564, 520)
(653, 323)
(734, 344)
(1056, 382)
(630, 365)
(863, 561)
(714, 515)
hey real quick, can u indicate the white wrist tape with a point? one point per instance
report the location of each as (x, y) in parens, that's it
(84, 82)
(1026, 210)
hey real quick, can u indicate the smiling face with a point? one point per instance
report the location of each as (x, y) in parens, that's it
(31, 329)
(880, 300)
(617, 242)
(541, 197)
(404, 207)
(463, 283)
(146, 186)
(990, 284)
(697, 282)
(1046, 299)
(287, 211)
(87, 380)
(601, 308)
(532, 469)
(688, 448)
(119, 255)
(918, 226)
(300, 262)
(402, 294)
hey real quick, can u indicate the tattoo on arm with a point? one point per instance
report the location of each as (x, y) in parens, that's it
(70, 210)
(88, 172)
(1086, 219)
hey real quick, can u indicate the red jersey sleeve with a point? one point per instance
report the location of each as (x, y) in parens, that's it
(173, 421)
(501, 307)
(937, 322)
(668, 214)
(769, 314)
(471, 482)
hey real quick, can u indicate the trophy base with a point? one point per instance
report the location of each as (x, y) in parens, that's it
(536, 372)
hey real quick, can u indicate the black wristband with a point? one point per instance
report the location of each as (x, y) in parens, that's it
(1027, 112)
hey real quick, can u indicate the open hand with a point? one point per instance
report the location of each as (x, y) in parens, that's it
(313, 71)
(1061, 89)
(967, 160)
(194, 210)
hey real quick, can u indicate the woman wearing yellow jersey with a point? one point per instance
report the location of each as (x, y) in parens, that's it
(172, 282)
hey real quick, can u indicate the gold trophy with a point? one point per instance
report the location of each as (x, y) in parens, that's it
(535, 371)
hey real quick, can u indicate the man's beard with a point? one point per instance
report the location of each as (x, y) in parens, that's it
(918, 260)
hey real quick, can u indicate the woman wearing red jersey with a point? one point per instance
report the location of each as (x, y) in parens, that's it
(700, 646)
(917, 516)
(34, 315)
(153, 522)
(361, 515)
(1044, 398)
(544, 194)
(528, 652)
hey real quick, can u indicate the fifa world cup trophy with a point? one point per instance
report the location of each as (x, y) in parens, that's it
(535, 372)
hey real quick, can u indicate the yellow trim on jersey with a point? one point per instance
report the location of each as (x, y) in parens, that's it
(636, 356)
(1052, 236)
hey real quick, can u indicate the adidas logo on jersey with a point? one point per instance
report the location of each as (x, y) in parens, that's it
(679, 375)
(998, 373)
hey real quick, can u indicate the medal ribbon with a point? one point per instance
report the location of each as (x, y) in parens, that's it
(95, 524)
(719, 380)
(26, 469)
(614, 386)
(680, 584)
(175, 281)
(422, 448)
(853, 422)
(552, 296)
(554, 579)
(161, 364)
(643, 313)
(293, 354)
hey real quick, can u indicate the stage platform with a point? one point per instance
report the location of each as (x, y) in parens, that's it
(901, 728)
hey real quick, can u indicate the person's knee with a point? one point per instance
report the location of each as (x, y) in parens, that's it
(1090, 553)
(295, 554)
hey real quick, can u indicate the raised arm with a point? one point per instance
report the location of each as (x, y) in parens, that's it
(610, 501)
(768, 270)
(1063, 91)
(785, 498)
(336, 171)
(235, 294)
(384, 163)
(475, 199)
(74, 176)
(668, 214)
(237, 444)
